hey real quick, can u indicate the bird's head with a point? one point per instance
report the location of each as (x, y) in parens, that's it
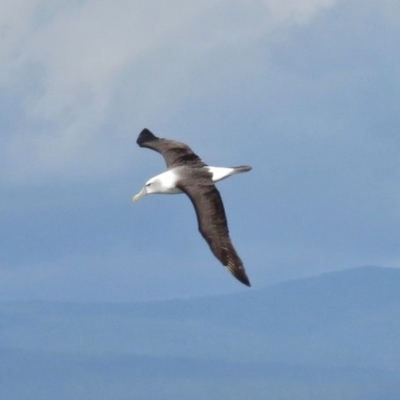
(153, 185)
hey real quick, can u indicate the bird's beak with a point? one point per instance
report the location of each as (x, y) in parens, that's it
(141, 194)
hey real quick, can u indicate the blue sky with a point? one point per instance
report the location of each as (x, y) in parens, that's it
(307, 92)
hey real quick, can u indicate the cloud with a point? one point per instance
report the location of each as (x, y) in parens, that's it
(297, 11)
(68, 67)
(64, 65)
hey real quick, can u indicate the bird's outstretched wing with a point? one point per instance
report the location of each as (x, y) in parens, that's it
(207, 202)
(175, 153)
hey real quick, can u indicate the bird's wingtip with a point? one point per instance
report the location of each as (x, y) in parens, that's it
(246, 281)
(238, 271)
(145, 136)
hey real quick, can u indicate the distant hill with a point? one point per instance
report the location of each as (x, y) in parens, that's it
(334, 336)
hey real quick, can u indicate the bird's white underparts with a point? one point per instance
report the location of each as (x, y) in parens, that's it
(165, 183)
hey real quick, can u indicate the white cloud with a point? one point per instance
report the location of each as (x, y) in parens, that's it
(67, 63)
(298, 11)
(391, 9)
(15, 27)
(84, 50)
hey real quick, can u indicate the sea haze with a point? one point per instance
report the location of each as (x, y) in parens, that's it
(334, 336)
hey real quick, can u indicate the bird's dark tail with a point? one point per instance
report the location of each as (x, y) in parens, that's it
(242, 168)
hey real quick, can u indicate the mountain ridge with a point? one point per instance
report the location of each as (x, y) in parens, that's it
(321, 336)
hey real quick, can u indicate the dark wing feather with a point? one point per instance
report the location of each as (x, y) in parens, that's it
(213, 226)
(175, 153)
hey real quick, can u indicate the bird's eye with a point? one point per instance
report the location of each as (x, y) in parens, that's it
(148, 184)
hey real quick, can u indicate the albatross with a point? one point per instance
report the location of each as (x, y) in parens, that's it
(188, 173)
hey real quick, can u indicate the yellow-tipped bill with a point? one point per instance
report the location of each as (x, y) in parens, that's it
(142, 193)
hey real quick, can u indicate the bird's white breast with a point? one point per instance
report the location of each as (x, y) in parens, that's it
(168, 180)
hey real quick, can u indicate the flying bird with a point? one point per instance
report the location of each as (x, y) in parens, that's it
(188, 173)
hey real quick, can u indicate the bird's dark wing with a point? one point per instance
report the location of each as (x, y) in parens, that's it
(198, 185)
(175, 153)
